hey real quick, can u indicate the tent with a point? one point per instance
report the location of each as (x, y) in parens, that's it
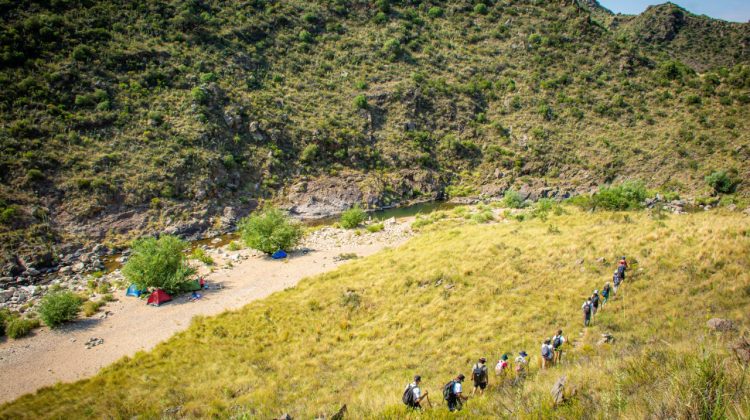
(133, 291)
(158, 297)
(278, 255)
(192, 286)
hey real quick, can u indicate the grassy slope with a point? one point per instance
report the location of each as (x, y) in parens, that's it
(536, 91)
(309, 349)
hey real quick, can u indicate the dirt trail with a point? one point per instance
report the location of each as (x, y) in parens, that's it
(48, 357)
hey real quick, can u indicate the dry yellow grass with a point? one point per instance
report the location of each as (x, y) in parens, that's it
(457, 292)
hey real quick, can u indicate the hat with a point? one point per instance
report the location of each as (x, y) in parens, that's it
(482, 359)
(623, 257)
(461, 377)
(504, 356)
(523, 353)
(596, 291)
(547, 340)
(417, 378)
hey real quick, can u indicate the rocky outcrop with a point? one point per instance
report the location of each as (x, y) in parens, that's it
(720, 325)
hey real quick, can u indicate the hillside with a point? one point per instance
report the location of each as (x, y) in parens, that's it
(341, 338)
(123, 118)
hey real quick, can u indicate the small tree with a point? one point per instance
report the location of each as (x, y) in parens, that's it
(360, 101)
(269, 231)
(513, 199)
(352, 217)
(721, 182)
(158, 263)
(59, 307)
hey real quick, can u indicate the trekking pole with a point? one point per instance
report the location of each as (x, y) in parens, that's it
(427, 397)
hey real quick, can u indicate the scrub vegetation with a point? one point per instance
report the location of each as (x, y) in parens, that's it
(464, 290)
(164, 107)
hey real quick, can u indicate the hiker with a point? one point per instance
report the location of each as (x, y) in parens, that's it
(547, 354)
(413, 394)
(605, 293)
(557, 341)
(501, 368)
(616, 281)
(594, 303)
(521, 363)
(480, 376)
(587, 307)
(453, 393)
(621, 267)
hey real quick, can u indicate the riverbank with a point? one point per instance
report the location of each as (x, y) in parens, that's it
(129, 325)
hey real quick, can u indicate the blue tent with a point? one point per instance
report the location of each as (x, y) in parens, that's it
(133, 291)
(279, 255)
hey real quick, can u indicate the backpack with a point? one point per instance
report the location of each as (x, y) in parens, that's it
(546, 353)
(557, 342)
(479, 373)
(586, 308)
(621, 269)
(408, 397)
(448, 390)
(595, 299)
(500, 367)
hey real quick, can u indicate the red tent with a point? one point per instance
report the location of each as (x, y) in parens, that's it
(158, 297)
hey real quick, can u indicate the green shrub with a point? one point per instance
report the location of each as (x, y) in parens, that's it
(92, 307)
(627, 196)
(199, 95)
(435, 12)
(269, 231)
(392, 49)
(360, 102)
(375, 227)
(305, 36)
(310, 152)
(158, 263)
(234, 246)
(513, 199)
(480, 8)
(34, 175)
(17, 327)
(352, 217)
(59, 307)
(8, 215)
(200, 255)
(5, 317)
(722, 182)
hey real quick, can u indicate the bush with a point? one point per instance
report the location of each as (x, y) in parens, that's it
(200, 255)
(158, 263)
(59, 307)
(199, 95)
(480, 8)
(513, 200)
(360, 101)
(375, 227)
(310, 152)
(91, 307)
(35, 175)
(627, 196)
(435, 12)
(5, 317)
(269, 231)
(352, 217)
(722, 182)
(305, 36)
(20, 327)
(392, 49)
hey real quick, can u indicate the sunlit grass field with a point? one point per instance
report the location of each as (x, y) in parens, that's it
(457, 292)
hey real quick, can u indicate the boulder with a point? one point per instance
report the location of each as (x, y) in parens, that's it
(720, 325)
(78, 267)
(606, 339)
(558, 390)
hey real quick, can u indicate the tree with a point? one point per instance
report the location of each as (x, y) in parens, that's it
(269, 231)
(158, 263)
(59, 307)
(352, 217)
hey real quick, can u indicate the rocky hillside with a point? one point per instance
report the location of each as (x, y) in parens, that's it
(121, 118)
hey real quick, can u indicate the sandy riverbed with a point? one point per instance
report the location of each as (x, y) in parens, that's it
(47, 357)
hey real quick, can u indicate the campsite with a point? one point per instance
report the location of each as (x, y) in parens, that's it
(374, 209)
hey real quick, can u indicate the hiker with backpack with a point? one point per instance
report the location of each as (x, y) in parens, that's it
(480, 376)
(453, 393)
(594, 303)
(557, 342)
(605, 293)
(587, 307)
(501, 368)
(547, 354)
(522, 362)
(622, 267)
(413, 395)
(616, 281)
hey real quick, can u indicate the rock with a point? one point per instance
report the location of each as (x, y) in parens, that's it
(601, 260)
(100, 249)
(66, 271)
(410, 126)
(579, 261)
(721, 325)
(228, 218)
(78, 267)
(741, 349)
(558, 390)
(284, 416)
(606, 338)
